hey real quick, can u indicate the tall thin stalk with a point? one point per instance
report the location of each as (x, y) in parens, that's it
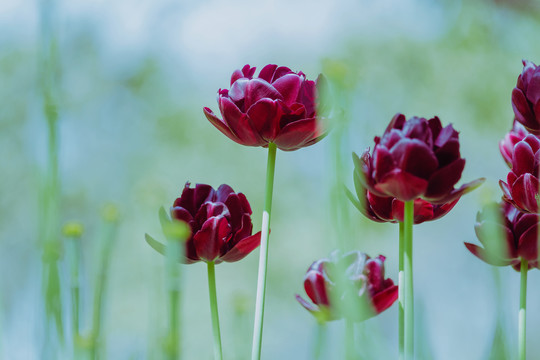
(522, 334)
(408, 269)
(218, 352)
(401, 309)
(263, 254)
(107, 241)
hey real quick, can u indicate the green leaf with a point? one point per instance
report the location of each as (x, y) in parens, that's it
(156, 245)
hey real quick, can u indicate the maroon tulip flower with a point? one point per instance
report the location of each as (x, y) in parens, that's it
(278, 106)
(220, 223)
(526, 97)
(370, 290)
(390, 209)
(415, 158)
(506, 145)
(521, 188)
(508, 235)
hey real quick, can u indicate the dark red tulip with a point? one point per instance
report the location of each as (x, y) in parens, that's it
(220, 223)
(365, 277)
(521, 188)
(278, 106)
(526, 97)
(415, 158)
(506, 145)
(508, 235)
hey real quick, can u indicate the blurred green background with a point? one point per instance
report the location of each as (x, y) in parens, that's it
(132, 80)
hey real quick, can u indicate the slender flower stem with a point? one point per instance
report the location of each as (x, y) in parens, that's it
(408, 270)
(214, 310)
(401, 309)
(522, 310)
(107, 242)
(172, 254)
(263, 254)
(349, 340)
(320, 340)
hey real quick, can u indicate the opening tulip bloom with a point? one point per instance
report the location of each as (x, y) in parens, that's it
(526, 97)
(278, 106)
(390, 209)
(372, 292)
(521, 188)
(415, 158)
(508, 235)
(220, 223)
(506, 145)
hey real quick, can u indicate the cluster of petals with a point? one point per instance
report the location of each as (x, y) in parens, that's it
(507, 235)
(415, 158)
(220, 223)
(521, 186)
(390, 209)
(278, 106)
(526, 97)
(510, 140)
(366, 288)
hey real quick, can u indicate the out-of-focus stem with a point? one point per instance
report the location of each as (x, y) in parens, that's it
(320, 341)
(408, 269)
(401, 309)
(349, 340)
(522, 335)
(218, 354)
(107, 243)
(173, 253)
(263, 254)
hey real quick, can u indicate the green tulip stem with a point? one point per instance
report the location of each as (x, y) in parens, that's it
(320, 340)
(214, 310)
(401, 309)
(263, 254)
(408, 275)
(172, 254)
(349, 340)
(522, 310)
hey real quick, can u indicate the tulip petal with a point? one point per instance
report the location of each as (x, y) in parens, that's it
(456, 193)
(528, 244)
(265, 115)
(443, 209)
(242, 248)
(257, 89)
(294, 135)
(240, 124)
(442, 181)
(522, 110)
(267, 73)
(415, 157)
(448, 153)
(525, 193)
(209, 240)
(220, 125)
(223, 193)
(402, 185)
(314, 284)
(483, 255)
(446, 134)
(524, 222)
(307, 305)
(523, 159)
(533, 90)
(384, 299)
(383, 162)
(381, 206)
(288, 86)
